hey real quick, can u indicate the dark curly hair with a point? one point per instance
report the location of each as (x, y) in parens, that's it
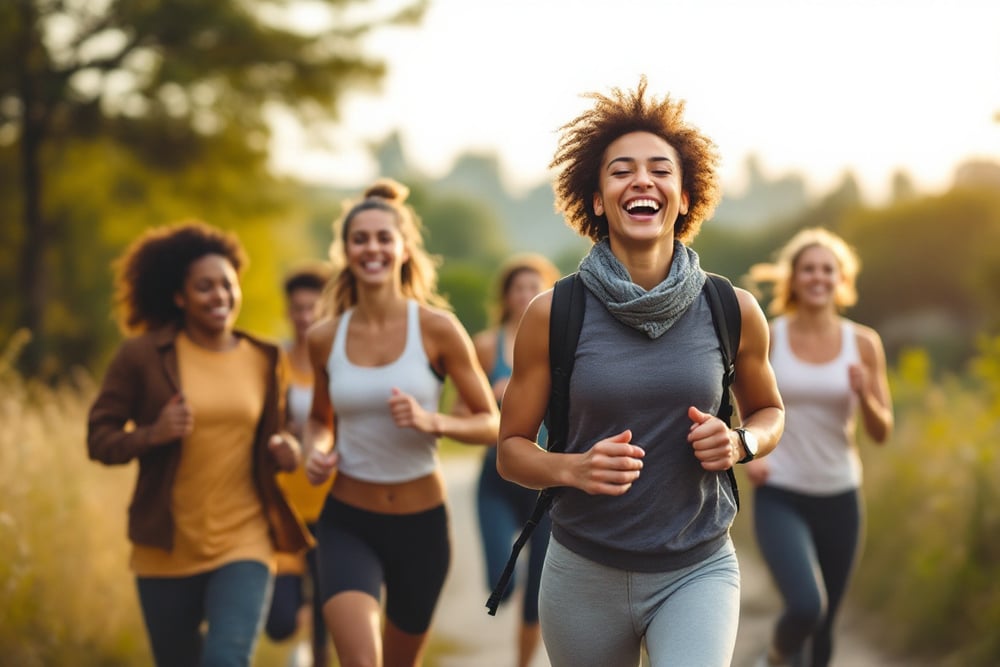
(581, 151)
(153, 269)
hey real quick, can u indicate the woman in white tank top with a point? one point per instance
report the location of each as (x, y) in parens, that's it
(379, 363)
(808, 513)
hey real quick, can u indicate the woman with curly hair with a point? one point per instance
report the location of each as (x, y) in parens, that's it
(640, 553)
(200, 405)
(808, 510)
(379, 363)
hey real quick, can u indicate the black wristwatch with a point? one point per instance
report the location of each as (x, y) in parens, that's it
(749, 441)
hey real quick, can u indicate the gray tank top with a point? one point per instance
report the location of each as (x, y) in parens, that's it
(676, 514)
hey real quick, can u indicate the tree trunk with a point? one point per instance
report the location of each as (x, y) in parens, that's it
(31, 274)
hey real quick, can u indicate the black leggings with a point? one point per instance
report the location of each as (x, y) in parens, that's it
(408, 553)
(810, 544)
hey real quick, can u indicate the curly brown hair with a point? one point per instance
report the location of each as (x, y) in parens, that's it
(153, 269)
(581, 151)
(419, 273)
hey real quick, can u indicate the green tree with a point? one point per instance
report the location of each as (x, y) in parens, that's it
(929, 271)
(467, 235)
(165, 78)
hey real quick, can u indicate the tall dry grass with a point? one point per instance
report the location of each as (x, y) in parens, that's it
(66, 596)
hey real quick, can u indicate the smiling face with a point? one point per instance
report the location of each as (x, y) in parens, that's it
(815, 278)
(374, 247)
(210, 297)
(640, 190)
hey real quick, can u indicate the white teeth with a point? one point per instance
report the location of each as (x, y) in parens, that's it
(649, 203)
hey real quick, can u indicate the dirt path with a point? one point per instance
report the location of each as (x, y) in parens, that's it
(466, 636)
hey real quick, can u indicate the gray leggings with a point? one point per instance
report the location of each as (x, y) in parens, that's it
(598, 616)
(810, 544)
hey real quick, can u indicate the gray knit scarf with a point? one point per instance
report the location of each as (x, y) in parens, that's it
(651, 312)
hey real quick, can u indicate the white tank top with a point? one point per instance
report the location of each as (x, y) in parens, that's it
(372, 448)
(299, 404)
(817, 453)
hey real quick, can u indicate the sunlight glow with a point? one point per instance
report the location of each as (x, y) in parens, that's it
(817, 88)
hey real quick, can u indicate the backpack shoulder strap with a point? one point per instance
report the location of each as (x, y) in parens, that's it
(728, 322)
(727, 319)
(565, 322)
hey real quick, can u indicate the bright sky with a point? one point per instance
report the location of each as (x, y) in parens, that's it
(811, 87)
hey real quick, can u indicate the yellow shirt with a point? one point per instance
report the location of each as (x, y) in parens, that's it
(218, 516)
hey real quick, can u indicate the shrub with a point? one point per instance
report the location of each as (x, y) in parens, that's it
(933, 536)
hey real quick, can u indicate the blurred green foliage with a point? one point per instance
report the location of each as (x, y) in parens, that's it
(104, 197)
(175, 96)
(932, 557)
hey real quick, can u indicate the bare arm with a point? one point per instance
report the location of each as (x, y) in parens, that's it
(451, 351)
(756, 392)
(870, 382)
(609, 467)
(485, 345)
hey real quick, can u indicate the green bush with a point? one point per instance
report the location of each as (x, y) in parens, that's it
(932, 555)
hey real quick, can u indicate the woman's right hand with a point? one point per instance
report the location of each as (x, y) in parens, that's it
(319, 466)
(175, 421)
(610, 466)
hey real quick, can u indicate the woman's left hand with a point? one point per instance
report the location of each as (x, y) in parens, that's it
(408, 413)
(710, 439)
(857, 375)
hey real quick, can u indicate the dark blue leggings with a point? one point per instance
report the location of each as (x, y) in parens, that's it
(810, 544)
(503, 508)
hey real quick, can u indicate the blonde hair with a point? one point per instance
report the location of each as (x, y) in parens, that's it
(419, 272)
(780, 272)
(513, 266)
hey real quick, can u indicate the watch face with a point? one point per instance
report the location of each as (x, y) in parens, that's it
(750, 442)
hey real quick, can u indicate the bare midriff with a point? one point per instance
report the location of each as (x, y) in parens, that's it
(415, 495)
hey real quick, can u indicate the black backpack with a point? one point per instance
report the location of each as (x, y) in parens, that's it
(566, 319)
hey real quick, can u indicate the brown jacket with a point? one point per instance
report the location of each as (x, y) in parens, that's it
(140, 380)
